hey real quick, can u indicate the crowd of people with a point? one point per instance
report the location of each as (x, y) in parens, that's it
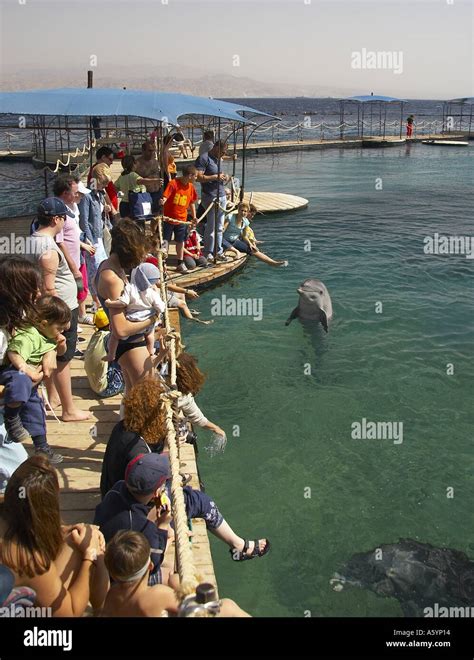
(87, 240)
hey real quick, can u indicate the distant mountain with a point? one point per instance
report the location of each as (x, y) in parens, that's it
(186, 80)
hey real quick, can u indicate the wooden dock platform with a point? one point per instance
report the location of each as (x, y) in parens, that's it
(83, 445)
(270, 202)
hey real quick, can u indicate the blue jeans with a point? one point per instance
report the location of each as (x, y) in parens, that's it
(209, 232)
(238, 244)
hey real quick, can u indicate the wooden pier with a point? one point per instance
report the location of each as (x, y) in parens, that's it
(83, 443)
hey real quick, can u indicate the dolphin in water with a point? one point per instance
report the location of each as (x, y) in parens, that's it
(420, 576)
(314, 303)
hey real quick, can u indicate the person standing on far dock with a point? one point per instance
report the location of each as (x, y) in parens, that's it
(410, 122)
(207, 142)
(212, 185)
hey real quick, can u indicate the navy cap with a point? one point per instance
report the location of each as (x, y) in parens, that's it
(7, 582)
(52, 206)
(147, 472)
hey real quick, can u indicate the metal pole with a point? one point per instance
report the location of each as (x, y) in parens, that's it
(45, 170)
(244, 147)
(341, 117)
(362, 123)
(470, 124)
(216, 201)
(90, 79)
(401, 118)
(384, 120)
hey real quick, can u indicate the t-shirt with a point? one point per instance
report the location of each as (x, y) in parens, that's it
(31, 345)
(233, 232)
(71, 236)
(65, 284)
(121, 448)
(179, 197)
(128, 183)
(209, 166)
(205, 147)
(119, 510)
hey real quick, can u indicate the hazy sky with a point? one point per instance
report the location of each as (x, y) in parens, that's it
(275, 40)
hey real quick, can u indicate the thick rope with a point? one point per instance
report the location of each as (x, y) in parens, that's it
(186, 568)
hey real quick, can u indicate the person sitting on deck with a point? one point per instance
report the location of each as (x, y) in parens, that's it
(128, 560)
(30, 355)
(189, 380)
(141, 300)
(193, 256)
(179, 197)
(130, 181)
(63, 564)
(236, 236)
(142, 429)
(127, 506)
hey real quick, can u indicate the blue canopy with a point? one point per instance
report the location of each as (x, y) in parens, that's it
(159, 106)
(371, 97)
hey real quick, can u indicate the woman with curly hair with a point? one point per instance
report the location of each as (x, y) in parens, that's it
(129, 249)
(142, 430)
(189, 380)
(64, 565)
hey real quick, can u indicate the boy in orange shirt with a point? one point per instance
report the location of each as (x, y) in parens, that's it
(180, 196)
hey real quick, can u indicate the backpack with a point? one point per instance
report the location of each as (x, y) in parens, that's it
(105, 378)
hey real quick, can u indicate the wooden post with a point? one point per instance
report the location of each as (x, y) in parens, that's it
(216, 203)
(244, 146)
(45, 167)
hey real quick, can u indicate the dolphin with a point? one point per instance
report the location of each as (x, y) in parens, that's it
(417, 574)
(314, 303)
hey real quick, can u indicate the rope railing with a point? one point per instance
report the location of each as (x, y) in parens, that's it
(185, 559)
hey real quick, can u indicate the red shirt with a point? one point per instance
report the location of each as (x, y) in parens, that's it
(179, 197)
(193, 244)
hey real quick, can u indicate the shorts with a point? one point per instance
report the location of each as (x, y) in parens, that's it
(238, 244)
(85, 291)
(125, 346)
(179, 231)
(173, 301)
(71, 338)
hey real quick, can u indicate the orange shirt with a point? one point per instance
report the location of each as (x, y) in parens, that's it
(178, 199)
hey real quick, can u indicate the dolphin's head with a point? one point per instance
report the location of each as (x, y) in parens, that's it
(312, 291)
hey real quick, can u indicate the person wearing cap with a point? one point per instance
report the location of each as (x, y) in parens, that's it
(58, 280)
(140, 301)
(147, 478)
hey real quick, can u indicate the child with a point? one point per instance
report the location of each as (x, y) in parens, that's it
(193, 256)
(130, 181)
(180, 196)
(127, 559)
(142, 299)
(31, 354)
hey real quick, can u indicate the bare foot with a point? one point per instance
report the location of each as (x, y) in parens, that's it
(54, 403)
(76, 415)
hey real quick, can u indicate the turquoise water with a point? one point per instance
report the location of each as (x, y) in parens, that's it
(295, 429)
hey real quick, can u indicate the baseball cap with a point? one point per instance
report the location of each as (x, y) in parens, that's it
(147, 472)
(82, 189)
(52, 206)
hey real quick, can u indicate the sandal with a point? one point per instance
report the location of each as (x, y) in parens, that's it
(256, 552)
(185, 478)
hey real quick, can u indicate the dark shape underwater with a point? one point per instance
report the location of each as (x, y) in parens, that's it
(417, 574)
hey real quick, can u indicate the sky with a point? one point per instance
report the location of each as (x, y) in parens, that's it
(314, 43)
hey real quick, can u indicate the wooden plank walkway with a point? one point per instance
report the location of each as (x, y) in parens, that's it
(270, 202)
(83, 445)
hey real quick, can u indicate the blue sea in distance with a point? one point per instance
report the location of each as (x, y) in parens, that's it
(295, 429)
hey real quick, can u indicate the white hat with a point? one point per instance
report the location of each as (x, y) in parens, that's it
(82, 189)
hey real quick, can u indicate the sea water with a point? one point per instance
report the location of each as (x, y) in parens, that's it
(399, 349)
